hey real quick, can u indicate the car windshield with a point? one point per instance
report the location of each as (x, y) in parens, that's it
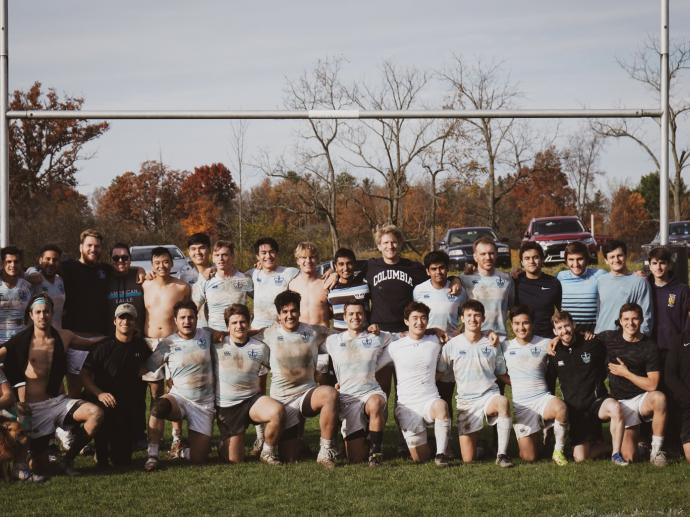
(679, 229)
(469, 236)
(144, 254)
(557, 226)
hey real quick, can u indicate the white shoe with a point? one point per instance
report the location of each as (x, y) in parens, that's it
(326, 457)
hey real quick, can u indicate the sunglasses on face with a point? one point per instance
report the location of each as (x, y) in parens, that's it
(120, 258)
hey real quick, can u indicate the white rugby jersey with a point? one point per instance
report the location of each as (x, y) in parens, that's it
(13, 303)
(293, 358)
(496, 292)
(444, 306)
(475, 365)
(415, 368)
(267, 285)
(526, 366)
(236, 369)
(220, 293)
(356, 360)
(188, 363)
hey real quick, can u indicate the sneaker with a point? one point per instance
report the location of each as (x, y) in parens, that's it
(375, 459)
(87, 450)
(559, 458)
(68, 469)
(441, 461)
(326, 457)
(617, 459)
(256, 449)
(151, 464)
(503, 461)
(21, 472)
(658, 459)
(269, 458)
(175, 449)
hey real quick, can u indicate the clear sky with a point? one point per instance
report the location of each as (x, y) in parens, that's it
(237, 55)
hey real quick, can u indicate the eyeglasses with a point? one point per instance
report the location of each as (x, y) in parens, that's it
(120, 258)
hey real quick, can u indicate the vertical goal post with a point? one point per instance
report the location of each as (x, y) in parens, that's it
(662, 113)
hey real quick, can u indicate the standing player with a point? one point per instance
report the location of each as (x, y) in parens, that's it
(15, 293)
(534, 288)
(349, 287)
(535, 408)
(314, 309)
(580, 366)
(226, 287)
(415, 358)
(237, 362)
(677, 374)
(357, 354)
(198, 266)
(186, 355)
(51, 283)
(633, 364)
(619, 287)
(476, 363)
(494, 289)
(294, 348)
(579, 287)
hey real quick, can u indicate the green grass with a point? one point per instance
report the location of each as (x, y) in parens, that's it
(398, 487)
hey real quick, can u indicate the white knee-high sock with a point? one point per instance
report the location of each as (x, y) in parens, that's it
(441, 431)
(503, 427)
(559, 430)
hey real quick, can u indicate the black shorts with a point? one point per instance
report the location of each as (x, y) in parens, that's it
(234, 420)
(584, 424)
(684, 425)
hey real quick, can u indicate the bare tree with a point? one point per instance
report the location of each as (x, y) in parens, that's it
(320, 88)
(644, 68)
(239, 131)
(580, 163)
(487, 142)
(389, 147)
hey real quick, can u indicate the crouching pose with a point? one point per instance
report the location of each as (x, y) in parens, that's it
(415, 359)
(535, 408)
(477, 362)
(238, 362)
(186, 356)
(36, 364)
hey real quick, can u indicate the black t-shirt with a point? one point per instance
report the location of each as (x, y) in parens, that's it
(677, 371)
(124, 289)
(581, 369)
(86, 302)
(117, 366)
(391, 287)
(543, 296)
(640, 357)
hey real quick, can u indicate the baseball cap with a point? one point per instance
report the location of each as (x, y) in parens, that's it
(126, 308)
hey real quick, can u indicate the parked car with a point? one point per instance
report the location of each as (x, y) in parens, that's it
(141, 257)
(678, 233)
(554, 233)
(457, 242)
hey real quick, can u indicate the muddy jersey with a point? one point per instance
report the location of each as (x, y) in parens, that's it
(496, 293)
(527, 368)
(268, 285)
(13, 303)
(188, 364)
(293, 358)
(445, 307)
(356, 359)
(220, 293)
(237, 368)
(415, 368)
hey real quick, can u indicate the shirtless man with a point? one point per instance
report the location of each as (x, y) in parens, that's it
(36, 364)
(160, 296)
(197, 267)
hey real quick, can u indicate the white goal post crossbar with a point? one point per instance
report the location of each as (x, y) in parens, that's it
(662, 113)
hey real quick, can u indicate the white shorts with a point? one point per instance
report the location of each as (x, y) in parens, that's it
(293, 409)
(472, 413)
(529, 418)
(631, 410)
(199, 416)
(413, 420)
(352, 412)
(75, 360)
(47, 415)
(159, 373)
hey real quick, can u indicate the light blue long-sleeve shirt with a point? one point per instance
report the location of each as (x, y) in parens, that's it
(613, 291)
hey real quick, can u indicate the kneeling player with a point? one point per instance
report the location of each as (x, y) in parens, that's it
(633, 364)
(535, 408)
(415, 358)
(187, 358)
(357, 354)
(476, 363)
(581, 369)
(238, 360)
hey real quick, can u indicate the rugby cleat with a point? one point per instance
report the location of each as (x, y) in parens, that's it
(441, 461)
(559, 458)
(617, 459)
(151, 464)
(503, 461)
(175, 451)
(658, 459)
(256, 448)
(269, 458)
(375, 459)
(326, 457)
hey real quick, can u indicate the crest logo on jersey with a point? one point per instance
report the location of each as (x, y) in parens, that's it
(254, 355)
(278, 279)
(227, 353)
(671, 300)
(305, 335)
(202, 342)
(535, 351)
(586, 358)
(452, 297)
(500, 282)
(486, 351)
(367, 342)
